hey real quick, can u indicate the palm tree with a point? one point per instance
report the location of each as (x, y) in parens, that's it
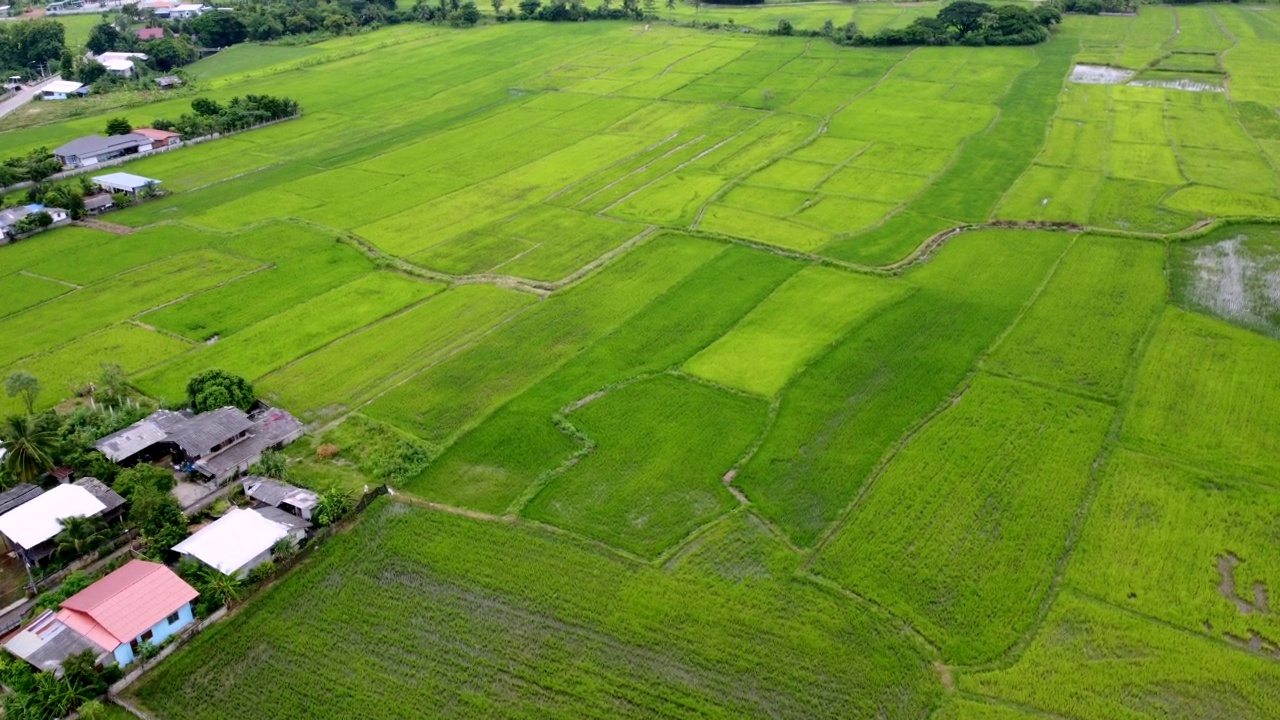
(30, 447)
(80, 535)
(222, 589)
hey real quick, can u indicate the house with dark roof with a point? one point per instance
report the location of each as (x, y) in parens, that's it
(268, 493)
(94, 149)
(142, 602)
(112, 502)
(216, 444)
(17, 495)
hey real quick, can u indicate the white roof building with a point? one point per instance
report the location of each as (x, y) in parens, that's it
(37, 520)
(60, 89)
(236, 542)
(120, 63)
(124, 182)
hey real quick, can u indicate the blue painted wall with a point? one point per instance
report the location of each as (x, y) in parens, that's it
(160, 632)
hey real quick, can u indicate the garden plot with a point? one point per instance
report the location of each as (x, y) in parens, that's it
(1233, 274)
(1111, 287)
(790, 328)
(1135, 205)
(838, 418)
(1110, 663)
(1051, 195)
(489, 467)
(1187, 548)
(1206, 394)
(977, 505)
(653, 474)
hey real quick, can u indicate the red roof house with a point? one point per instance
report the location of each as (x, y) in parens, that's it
(159, 138)
(140, 602)
(150, 33)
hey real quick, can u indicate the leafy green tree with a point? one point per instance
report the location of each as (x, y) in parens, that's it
(30, 447)
(218, 29)
(67, 64)
(31, 42)
(112, 387)
(965, 16)
(497, 7)
(213, 389)
(205, 106)
(90, 71)
(168, 53)
(25, 385)
(218, 588)
(529, 8)
(119, 126)
(80, 535)
(103, 37)
(650, 8)
(784, 28)
(148, 477)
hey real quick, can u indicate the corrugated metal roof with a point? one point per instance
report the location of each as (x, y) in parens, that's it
(126, 603)
(232, 540)
(36, 520)
(199, 435)
(17, 495)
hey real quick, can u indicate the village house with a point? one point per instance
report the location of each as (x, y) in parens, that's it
(268, 493)
(94, 149)
(120, 63)
(10, 218)
(150, 33)
(127, 183)
(214, 445)
(97, 204)
(168, 82)
(30, 528)
(47, 642)
(63, 89)
(142, 602)
(241, 540)
(186, 11)
(159, 138)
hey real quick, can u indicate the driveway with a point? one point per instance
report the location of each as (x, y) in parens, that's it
(23, 96)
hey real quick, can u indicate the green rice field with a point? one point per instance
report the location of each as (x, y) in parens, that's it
(750, 376)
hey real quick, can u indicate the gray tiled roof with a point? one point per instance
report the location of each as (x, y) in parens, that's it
(198, 436)
(110, 498)
(287, 519)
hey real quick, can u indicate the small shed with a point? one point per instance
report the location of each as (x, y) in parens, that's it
(112, 502)
(159, 138)
(63, 89)
(96, 204)
(47, 642)
(126, 183)
(270, 493)
(168, 81)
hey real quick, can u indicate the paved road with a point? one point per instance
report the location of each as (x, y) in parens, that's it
(23, 96)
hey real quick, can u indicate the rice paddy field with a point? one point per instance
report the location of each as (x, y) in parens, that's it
(758, 377)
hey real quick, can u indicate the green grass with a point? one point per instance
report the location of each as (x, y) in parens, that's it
(840, 416)
(452, 396)
(1160, 537)
(777, 339)
(489, 467)
(653, 474)
(294, 332)
(977, 505)
(1083, 332)
(1122, 665)
(19, 292)
(523, 623)
(244, 58)
(1205, 396)
(352, 368)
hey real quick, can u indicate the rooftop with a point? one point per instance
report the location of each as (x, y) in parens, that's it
(199, 435)
(283, 517)
(125, 180)
(47, 641)
(97, 202)
(17, 495)
(155, 134)
(109, 498)
(231, 541)
(35, 521)
(154, 428)
(61, 86)
(94, 145)
(151, 33)
(126, 603)
(271, 427)
(274, 492)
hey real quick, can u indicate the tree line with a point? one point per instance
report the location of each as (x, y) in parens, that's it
(963, 22)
